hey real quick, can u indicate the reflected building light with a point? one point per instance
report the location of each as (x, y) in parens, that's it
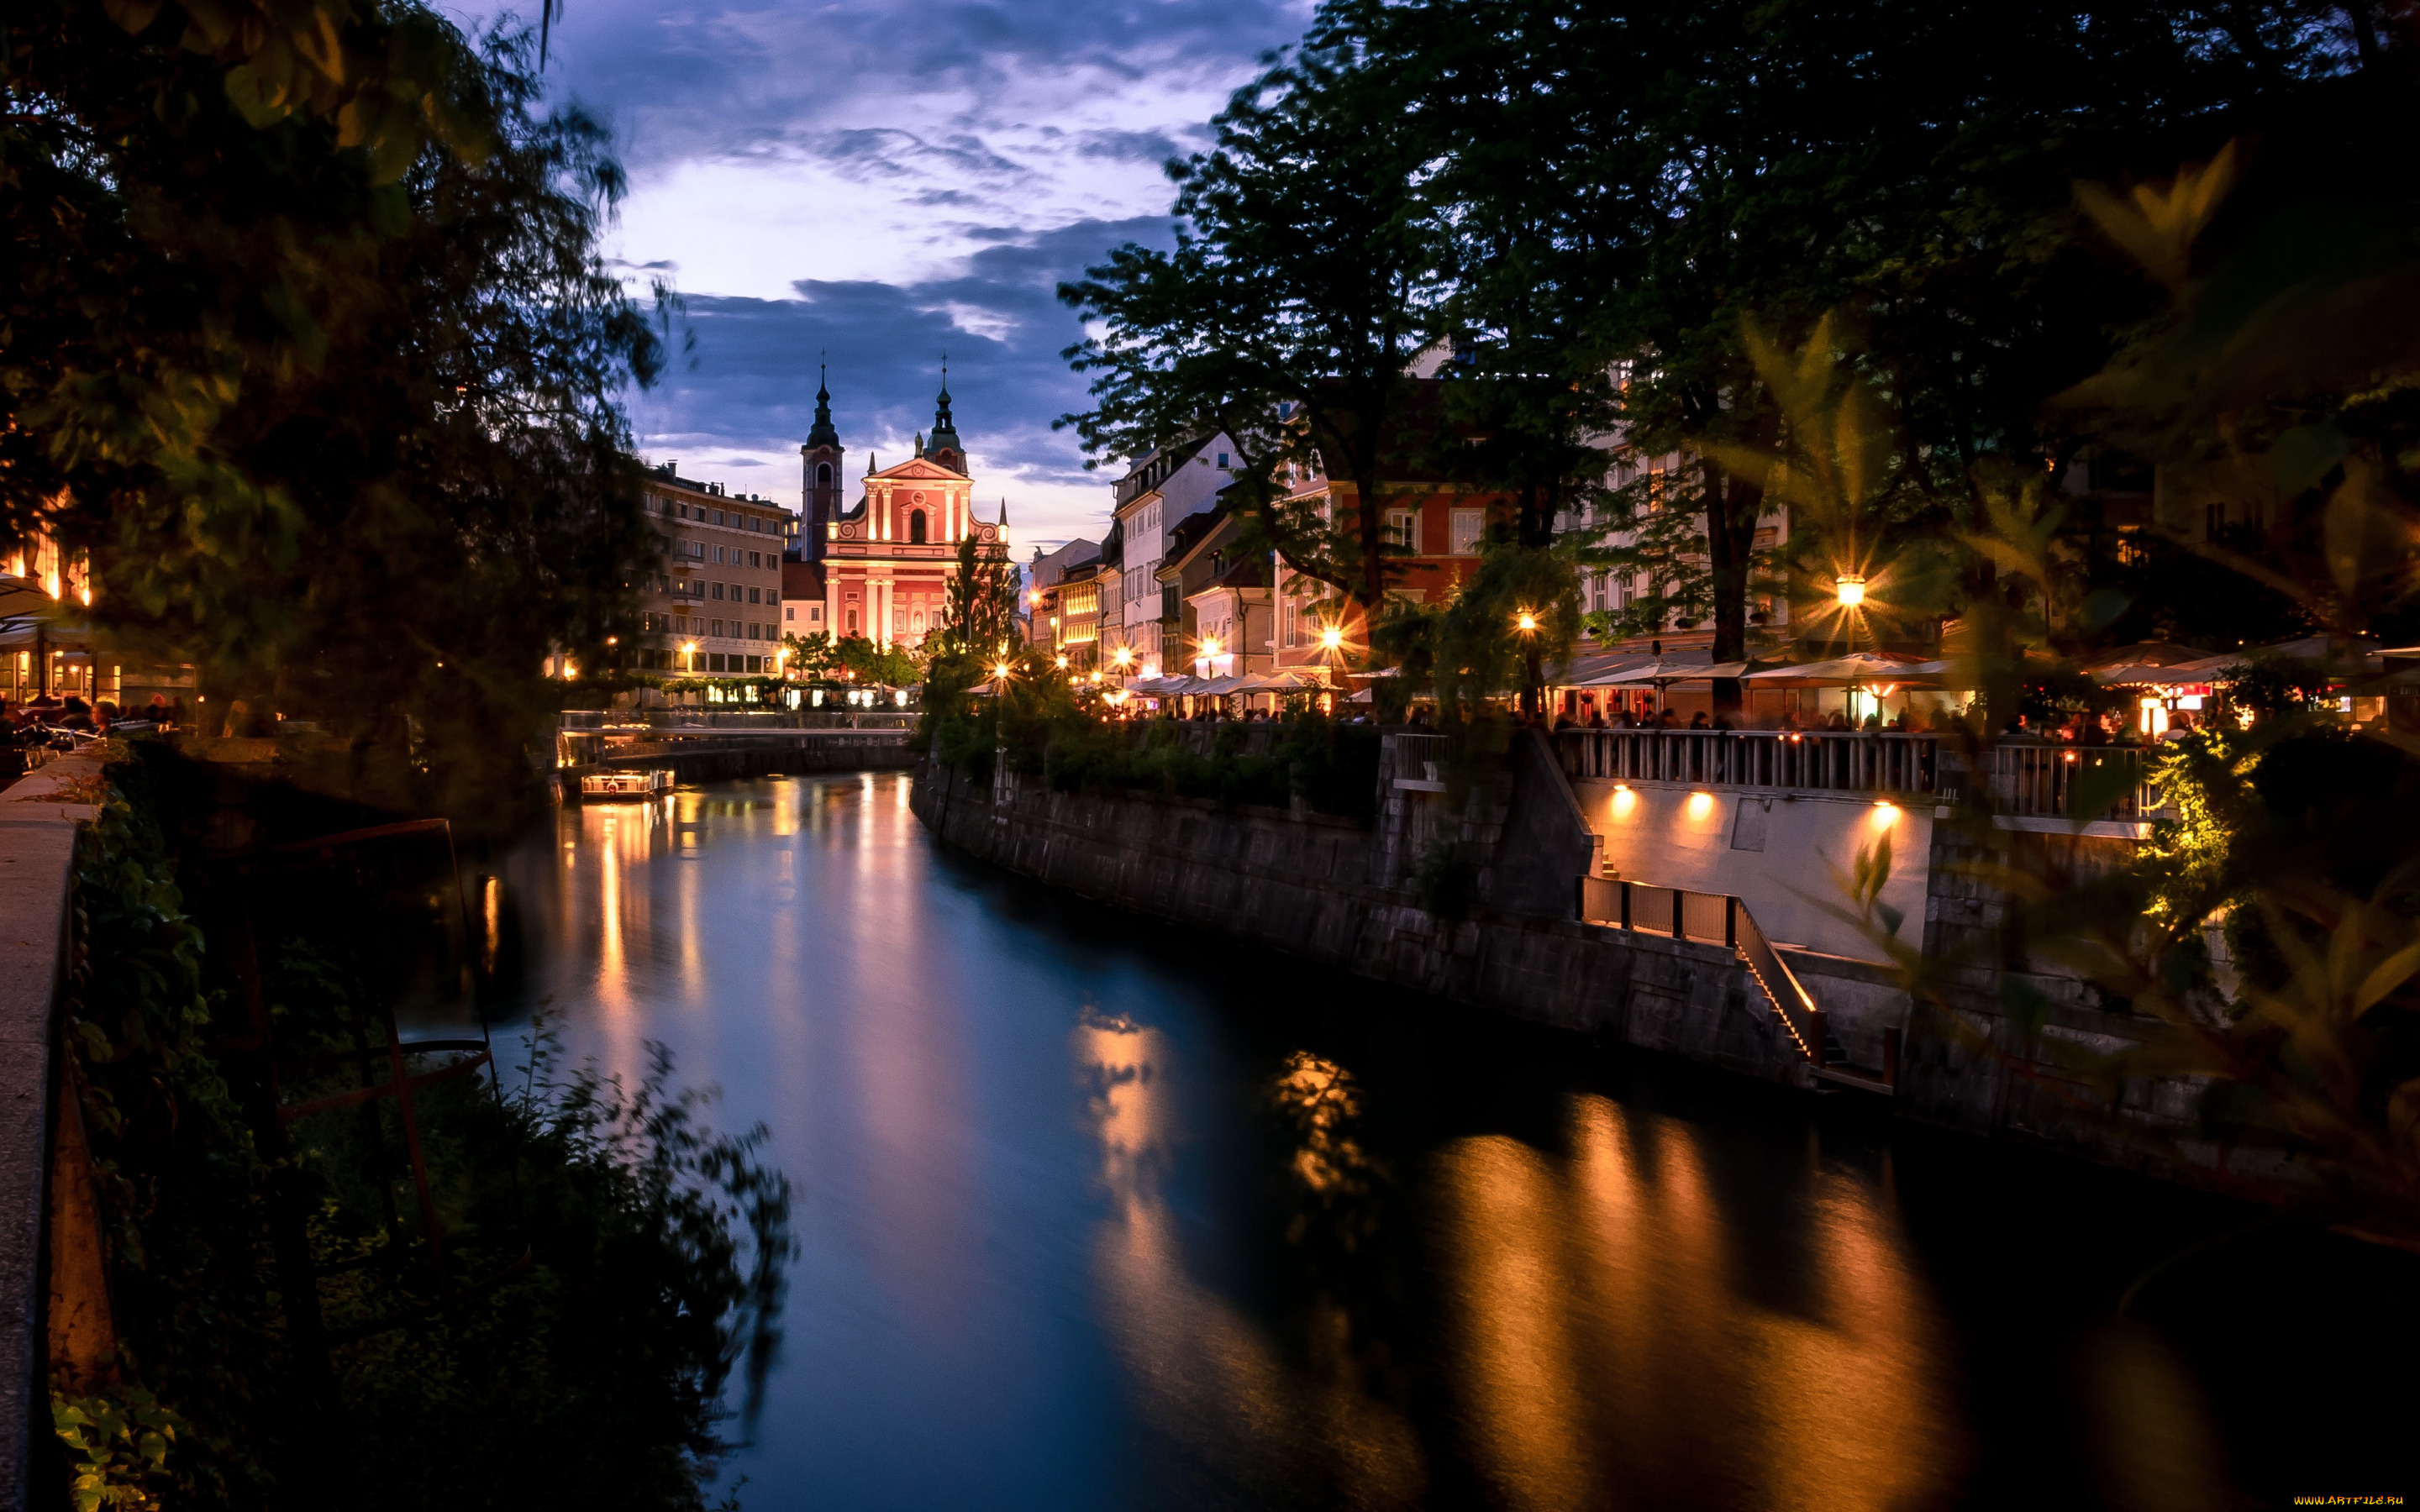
(492, 897)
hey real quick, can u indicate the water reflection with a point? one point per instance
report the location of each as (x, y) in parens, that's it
(1094, 1215)
(1613, 1337)
(1290, 1426)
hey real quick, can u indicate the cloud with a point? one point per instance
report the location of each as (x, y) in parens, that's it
(884, 182)
(745, 398)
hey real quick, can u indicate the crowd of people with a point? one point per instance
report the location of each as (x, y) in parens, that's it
(55, 722)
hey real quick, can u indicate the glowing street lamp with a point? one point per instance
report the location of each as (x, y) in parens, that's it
(1527, 623)
(1210, 645)
(1850, 589)
(1331, 639)
(1122, 654)
(1062, 664)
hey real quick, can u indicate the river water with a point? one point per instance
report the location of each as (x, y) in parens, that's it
(1098, 1213)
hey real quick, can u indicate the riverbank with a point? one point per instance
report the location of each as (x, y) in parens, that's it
(1327, 890)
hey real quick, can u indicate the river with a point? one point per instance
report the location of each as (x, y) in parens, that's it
(1098, 1213)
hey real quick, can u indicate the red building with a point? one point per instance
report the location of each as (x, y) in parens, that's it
(887, 561)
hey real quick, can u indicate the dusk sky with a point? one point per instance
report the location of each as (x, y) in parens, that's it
(885, 181)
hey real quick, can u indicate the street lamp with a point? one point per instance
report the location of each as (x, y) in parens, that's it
(1062, 664)
(1850, 589)
(1528, 622)
(1331, 639)
(1122, 654)
(1210, 645)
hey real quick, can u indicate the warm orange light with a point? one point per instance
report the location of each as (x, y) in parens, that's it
(1884, 815)
(1001, 672)
(1701, 805)
(1062, 664)
(1331, 638)
(1623, 801)
(1850, 589)
(1527, 623)
(1210, 645)
(1124, 655)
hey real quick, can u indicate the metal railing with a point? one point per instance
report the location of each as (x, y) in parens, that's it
(1707, 918)
(2025, 778)
(1820, 760)
(2047, 780)
(1419, 760)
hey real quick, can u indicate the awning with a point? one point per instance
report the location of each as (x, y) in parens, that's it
(1660, 673)
(1856, 669)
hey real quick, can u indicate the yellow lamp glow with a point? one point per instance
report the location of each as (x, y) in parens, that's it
(1122, 654)
(1062, 664)
(1000, 670)
(1701, 805)
(1850, 589)
(1884, 815)
(1527, 623)
(1625, 801)
(1331, 638)
(1210, 646)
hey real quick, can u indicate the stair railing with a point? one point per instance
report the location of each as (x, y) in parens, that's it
(1708, 917)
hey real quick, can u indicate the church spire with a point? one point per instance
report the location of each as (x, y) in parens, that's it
(823, 433)
(945, 430)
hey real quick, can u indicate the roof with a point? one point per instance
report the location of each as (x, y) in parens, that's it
(919, 470)
(1159, 464)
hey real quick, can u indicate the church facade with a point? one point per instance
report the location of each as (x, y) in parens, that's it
(888, 560)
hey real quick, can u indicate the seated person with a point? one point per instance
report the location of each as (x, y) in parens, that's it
(1839, 720)
(1699, 720)
(1596, 720)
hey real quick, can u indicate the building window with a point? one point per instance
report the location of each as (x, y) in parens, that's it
(916, 528)
(1222, 460)
(823, 474)
(852, 622)
(756, 595)
(790, 613)
(1399, 528)
(714, 661)
(755, 664)
(717, 590)
(814, 614)
(1468, 526)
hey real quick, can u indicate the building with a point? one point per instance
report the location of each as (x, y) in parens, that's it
(1078, 603)
(1043, 575)
(802, 596)
(1158, 493)
(715, 608)
(1225, 619)
(1441, 524)
(888, 561)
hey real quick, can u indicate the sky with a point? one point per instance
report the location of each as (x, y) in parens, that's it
(881, 183)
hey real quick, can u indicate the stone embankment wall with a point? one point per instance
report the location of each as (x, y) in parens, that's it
(1330, 891)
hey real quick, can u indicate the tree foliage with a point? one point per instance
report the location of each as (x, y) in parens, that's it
(307, 344)
(1286, 316)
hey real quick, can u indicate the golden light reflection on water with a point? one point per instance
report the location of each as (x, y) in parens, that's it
(1606, 1346)
(1205, 1373)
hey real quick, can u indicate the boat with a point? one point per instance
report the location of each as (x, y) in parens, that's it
(611, 787)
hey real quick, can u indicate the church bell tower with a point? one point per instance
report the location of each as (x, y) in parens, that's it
(943, 448)
(820, 472)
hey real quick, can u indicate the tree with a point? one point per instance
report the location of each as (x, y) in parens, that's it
(309, 346)
(1644, 184)
(812, 656)
(1286, 318)
(980, 618)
